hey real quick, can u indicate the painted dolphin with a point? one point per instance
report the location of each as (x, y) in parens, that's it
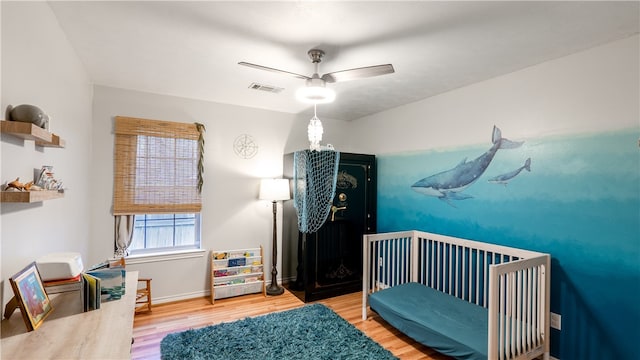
(504, 178)
(447, 184)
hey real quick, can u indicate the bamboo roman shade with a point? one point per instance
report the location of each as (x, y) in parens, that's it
(156, 167)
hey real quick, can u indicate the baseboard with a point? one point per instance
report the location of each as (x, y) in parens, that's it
(195, 294)
(180, 297)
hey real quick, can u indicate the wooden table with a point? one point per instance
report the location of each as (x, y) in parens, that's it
(69, 333)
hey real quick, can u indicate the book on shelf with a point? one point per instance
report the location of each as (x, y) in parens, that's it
(91, 292)
(230, 282)
(235, 254)
(100, 265)
(62, 281)
(56, 289)
(112, 282)
(237, 262)
(63, 285)
(220, 255)
(107, 264)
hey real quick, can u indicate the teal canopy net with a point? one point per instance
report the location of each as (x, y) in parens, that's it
(314, 175)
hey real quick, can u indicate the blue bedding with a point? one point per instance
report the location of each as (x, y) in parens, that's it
(440, 321)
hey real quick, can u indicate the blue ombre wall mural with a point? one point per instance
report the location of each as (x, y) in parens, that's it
(575, 197)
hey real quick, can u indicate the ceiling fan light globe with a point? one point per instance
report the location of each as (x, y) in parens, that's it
(315, 95)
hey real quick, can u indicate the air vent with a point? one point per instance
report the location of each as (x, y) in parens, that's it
(267, 88)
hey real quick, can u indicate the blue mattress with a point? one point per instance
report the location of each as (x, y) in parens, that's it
(440, 321)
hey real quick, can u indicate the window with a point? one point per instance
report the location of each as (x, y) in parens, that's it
(157, 178)
(165, 232)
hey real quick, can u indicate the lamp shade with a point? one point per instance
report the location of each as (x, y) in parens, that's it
(274, 189)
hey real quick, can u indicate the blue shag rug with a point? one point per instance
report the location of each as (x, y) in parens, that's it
(310, 332)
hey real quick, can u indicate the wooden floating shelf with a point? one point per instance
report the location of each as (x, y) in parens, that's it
(30, 196)
(56, 142)
(30, 131)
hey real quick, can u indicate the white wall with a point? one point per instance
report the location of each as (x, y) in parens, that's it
(587, 92)
(39, 67)
(232, 216)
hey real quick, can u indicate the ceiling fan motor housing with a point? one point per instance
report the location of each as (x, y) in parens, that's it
(315, 55)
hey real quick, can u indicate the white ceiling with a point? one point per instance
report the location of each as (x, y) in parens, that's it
(191, 49)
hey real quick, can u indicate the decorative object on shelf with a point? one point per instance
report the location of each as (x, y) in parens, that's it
(46, 179)
(245, 146)
(274, 190)
(16, 185)
(29, 114)
(236, 272)
(30, 297)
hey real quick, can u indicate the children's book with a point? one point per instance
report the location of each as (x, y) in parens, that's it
(112, 282)
(91, 292)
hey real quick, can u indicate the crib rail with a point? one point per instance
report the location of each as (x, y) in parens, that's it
(519, 309)
(513, 284)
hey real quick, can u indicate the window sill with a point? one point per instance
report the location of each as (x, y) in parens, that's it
(166, 256)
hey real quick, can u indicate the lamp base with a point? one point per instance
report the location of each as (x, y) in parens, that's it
(274, 290)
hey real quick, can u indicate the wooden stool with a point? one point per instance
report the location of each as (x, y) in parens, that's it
(143, 295)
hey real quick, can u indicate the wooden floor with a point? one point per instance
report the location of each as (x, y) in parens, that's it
(150, 328)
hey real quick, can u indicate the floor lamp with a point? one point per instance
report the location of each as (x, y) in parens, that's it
(274, 190)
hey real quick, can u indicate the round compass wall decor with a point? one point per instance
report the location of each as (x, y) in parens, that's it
(245, 147)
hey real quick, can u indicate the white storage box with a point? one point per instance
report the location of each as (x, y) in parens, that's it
(59, 266)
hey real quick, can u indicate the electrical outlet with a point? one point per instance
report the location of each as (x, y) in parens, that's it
(556, 321)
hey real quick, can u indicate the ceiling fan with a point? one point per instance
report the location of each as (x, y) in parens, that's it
(316, 92)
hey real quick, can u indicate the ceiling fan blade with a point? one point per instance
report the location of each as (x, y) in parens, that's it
(260, 67)
(358, 73)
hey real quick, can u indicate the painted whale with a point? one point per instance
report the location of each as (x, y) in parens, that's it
(504, 178)
(448, 184)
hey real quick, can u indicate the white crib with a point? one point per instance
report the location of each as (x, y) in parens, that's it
(512, 284)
